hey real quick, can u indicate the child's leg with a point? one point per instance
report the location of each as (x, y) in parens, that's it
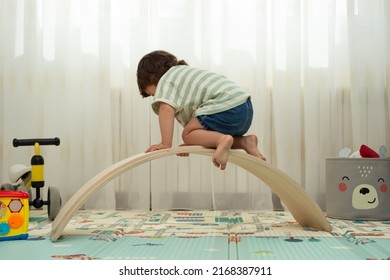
(249, 144)
(195, 134)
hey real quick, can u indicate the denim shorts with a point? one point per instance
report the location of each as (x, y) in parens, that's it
(234, 122)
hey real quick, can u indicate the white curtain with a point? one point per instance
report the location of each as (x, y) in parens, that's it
(318, 71)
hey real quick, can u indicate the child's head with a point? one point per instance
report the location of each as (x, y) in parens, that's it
(152, 67)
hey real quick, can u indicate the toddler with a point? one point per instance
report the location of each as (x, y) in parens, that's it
(213, 110)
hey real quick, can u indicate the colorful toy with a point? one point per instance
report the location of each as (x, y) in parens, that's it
(363, 152)
(37, 176)
(367, 152)
(14, 215)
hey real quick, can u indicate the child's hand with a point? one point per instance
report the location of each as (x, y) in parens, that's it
(157, 147)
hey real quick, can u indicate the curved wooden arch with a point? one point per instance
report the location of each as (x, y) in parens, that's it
(302, 207)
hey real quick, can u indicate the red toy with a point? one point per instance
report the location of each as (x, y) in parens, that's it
(367, 152)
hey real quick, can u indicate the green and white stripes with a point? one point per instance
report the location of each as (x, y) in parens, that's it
(193, 92)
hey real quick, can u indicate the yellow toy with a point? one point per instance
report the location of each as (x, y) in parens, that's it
(36, 175)
(14, 215)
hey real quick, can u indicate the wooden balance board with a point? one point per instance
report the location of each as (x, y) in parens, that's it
(301, 206)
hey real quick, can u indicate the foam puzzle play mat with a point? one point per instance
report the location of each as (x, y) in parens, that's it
(356, 227)
(198, 235)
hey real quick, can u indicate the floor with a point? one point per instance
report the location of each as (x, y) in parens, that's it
(198, 235)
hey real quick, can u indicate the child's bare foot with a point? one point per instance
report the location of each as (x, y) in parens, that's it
(249, 144)
(221, 154)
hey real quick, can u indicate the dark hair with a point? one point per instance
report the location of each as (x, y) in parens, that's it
(152, 67)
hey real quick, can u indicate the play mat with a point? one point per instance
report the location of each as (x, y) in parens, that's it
(198, 235)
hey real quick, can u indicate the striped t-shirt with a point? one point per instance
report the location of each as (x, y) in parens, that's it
(193, 92)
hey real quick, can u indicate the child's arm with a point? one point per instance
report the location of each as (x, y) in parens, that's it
(166, 120)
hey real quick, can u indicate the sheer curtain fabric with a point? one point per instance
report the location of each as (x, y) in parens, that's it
(318, 72)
